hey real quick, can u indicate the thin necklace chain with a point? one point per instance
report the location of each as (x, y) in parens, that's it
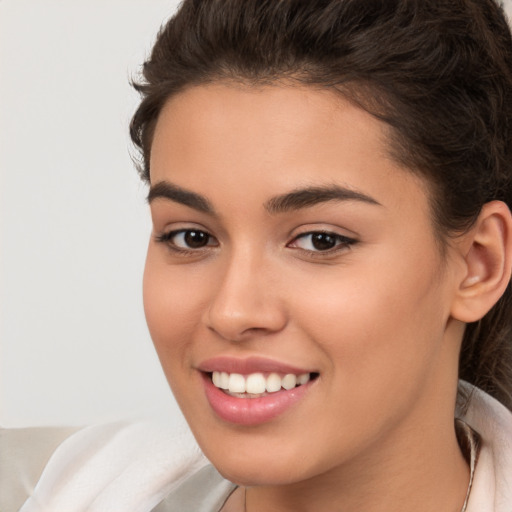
(473, 441)
(464, 507)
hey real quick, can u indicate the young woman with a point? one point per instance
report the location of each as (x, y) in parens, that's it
(328, 187)
(329, 184)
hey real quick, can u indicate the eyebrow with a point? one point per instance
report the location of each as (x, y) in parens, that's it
(295, 200)
(310, 196)
(166, 190)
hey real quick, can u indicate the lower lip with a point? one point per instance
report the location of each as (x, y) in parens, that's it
(252, 411)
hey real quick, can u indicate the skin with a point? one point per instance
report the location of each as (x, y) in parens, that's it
(373, 318)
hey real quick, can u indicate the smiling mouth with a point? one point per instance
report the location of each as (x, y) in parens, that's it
(257, 385)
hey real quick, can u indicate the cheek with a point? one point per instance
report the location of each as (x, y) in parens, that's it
(378, 328)
(171, 307)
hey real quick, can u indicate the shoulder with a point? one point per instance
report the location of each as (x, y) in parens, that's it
(121, 466)
(492, 485)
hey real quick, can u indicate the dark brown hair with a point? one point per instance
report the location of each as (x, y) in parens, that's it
(438, 72)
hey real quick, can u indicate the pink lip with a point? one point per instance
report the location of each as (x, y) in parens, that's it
(250, 411)
(249, 365)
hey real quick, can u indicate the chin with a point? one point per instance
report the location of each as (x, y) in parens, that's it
(259, 460)
(251, 474)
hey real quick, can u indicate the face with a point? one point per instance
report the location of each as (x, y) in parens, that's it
(294, 263)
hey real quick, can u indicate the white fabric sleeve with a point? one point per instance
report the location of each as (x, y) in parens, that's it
(127, 467)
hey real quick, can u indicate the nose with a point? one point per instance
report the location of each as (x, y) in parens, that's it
(245, 301)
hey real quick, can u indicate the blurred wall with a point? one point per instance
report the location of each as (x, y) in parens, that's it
(74, 225)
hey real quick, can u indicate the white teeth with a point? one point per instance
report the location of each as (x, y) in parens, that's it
(224, 380)
(273, 383)
(289, 381)
(303, 379)
(256, 383)
(236, 383)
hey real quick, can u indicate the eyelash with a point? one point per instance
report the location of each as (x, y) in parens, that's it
(167, 239)
(341, 242)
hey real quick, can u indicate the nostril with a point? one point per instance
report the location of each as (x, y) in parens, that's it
(240, 309)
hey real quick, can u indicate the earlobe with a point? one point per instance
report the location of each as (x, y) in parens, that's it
(488, 262)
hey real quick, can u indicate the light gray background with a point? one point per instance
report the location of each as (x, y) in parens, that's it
(74, 348)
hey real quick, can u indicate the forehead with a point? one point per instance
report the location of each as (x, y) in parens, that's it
(272, 115)
(251, 139)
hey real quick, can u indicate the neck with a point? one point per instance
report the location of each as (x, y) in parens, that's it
(420, 471)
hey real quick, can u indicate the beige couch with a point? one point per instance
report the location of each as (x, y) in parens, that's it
(23, 454)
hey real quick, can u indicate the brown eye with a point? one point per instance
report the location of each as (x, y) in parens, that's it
(323, 241)
(320, 241)
(187, 239)
(196, 239)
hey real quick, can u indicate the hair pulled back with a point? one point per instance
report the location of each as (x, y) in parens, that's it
(438, 72)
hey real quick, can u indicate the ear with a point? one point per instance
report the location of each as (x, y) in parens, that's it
(487, 254)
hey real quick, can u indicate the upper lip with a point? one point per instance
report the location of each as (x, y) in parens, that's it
(245, 366)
